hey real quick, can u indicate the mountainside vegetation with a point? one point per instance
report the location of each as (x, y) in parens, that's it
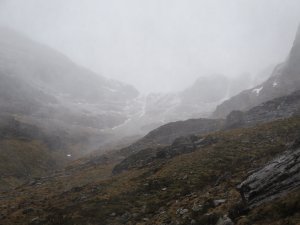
(196, 187)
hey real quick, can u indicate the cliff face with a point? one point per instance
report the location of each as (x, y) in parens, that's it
(284, 80)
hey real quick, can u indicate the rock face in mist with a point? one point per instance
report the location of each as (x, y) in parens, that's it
(284, 80)
(207, 89)
(274, 180)
(196, 101)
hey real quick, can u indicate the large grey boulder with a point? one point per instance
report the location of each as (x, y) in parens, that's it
(276, 179)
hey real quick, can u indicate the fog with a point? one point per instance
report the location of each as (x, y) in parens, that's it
(161, 45)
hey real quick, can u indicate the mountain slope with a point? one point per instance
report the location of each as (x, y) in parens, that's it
(167, 133)
(278, 108)
(198, 100)
(51, 109)
(45, 87)
(39, 77)
(284, 80)
(198, 186)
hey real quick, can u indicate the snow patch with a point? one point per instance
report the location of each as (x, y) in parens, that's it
(275, 83)
(122, 124)
(257, 90)
(69, 155)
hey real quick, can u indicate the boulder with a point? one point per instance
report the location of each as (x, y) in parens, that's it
(277, 178)
(224, 221)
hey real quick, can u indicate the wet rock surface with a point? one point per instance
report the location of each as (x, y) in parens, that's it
(277, 178)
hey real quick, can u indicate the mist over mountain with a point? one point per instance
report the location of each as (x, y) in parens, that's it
(54, 74)
(149, 112)
(284, 80)
(48, 99)
(44, 88)
(160, 46)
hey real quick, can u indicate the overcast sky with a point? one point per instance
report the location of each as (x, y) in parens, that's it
(161, 45)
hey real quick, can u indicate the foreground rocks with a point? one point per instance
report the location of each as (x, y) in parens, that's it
(276, 179)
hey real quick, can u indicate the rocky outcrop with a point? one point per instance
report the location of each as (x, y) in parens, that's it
(284, 80)
(278, 108)
(277, 178)
(166, 134)
(146, 157)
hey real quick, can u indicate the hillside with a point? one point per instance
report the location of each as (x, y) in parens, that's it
(28, 150)
(40, 82)
(278, 108)
(197, 187)
(284, 80)
(52, 110)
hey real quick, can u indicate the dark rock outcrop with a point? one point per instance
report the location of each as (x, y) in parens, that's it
(277, 178)
(166, 134)
(278, 108)
(145, 157)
